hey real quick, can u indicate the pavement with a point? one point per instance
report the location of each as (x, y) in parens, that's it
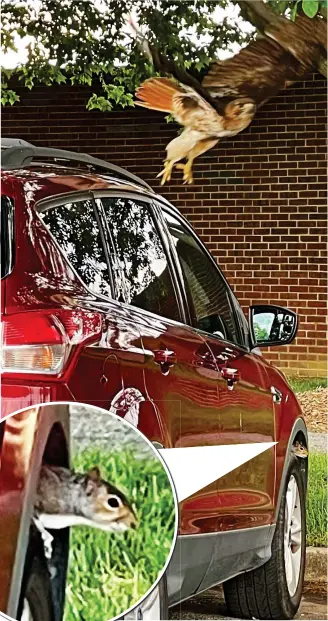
(210, 605)
(318, 441)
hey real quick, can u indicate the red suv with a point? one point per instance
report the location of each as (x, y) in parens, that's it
(110, 298)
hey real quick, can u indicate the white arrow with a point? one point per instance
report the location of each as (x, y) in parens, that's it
(195, 467)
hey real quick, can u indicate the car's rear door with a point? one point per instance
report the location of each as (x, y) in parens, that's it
(96, 375)
(245, 401)
(179, 372)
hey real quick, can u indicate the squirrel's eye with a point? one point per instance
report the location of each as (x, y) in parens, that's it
(113, 502)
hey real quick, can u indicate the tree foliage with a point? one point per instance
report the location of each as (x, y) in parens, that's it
(310, 8)
(86, 41)
(261, 333)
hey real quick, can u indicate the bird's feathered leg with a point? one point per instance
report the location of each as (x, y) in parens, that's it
(198, 149)
(178, 149)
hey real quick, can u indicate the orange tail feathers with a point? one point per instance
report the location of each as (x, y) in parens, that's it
(157, 94)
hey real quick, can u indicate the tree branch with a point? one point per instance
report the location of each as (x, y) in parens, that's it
(257, 13)
(265, 20)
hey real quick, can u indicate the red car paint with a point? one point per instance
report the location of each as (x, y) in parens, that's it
(182, 401)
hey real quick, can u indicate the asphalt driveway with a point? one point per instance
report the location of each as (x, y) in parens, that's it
(210, 605)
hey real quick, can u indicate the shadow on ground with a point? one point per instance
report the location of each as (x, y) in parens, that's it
(210, 605)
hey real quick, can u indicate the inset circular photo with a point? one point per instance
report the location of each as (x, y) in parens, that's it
(88, 515)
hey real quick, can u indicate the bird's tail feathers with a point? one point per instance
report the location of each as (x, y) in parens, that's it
(157, 94)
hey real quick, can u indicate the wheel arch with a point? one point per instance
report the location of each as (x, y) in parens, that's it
(298, 432)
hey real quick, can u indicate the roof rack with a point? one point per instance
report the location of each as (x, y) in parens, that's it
(17, 153)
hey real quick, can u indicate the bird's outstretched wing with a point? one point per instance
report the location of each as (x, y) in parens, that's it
(258, 71)
(186, 105)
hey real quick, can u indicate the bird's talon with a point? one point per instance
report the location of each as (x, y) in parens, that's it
(166, 172)
(187, 173)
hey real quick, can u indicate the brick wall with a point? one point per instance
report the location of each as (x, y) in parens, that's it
(258, 201)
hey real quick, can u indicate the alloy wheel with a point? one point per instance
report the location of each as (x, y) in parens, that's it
(293, 536)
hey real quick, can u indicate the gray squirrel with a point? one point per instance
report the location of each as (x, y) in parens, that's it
(67, 498)
(300, 450)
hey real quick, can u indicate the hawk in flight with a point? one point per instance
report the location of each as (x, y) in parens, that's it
(225, 101)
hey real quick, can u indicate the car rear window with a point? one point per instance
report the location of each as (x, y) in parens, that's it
(75, 227)
(7, 235)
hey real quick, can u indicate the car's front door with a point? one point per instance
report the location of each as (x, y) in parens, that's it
(245, 400)
(179, 371)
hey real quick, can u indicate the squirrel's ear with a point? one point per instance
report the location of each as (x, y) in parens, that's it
(94, 474)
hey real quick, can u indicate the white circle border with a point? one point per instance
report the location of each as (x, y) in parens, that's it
(159, 457)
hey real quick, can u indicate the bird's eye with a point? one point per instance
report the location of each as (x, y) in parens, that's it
(113, 502)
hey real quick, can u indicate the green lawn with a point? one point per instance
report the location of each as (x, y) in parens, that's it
(303, 384)
(317, 500)
(108, 572)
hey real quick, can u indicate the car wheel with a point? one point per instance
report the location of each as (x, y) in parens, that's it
(36, 602)
(274, 590)
(155, 606)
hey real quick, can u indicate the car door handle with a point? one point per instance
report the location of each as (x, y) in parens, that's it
(231, 376)
(165, 358)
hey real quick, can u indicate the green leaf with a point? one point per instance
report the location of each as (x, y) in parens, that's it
(99, 103)
(282, 5)
(8, 97)
(310, 7)
(294, 11)
(29, 82)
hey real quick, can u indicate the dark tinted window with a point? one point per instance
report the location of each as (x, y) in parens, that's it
(7, 235)
(142, 273)
(75, 227)
(207, 292)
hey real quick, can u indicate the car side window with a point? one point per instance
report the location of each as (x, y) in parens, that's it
(74, 226)
(207, 293)
(142, 273)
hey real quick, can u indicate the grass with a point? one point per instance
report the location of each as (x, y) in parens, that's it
(317, 500)
(109, 572)
(303, 384)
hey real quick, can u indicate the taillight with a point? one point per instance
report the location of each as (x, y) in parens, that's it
(41, 342)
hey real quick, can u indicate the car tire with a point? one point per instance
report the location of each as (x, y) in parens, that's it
(155, 606)
(36, 603)
(269, 591)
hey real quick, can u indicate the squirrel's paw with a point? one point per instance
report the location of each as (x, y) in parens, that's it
(46, 537)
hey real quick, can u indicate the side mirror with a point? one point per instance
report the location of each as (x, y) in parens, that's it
(272, 325)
